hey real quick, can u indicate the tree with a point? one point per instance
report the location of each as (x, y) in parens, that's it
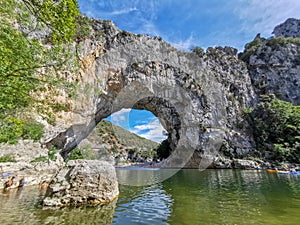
(25, 56)
(22, 55)
(277, 128)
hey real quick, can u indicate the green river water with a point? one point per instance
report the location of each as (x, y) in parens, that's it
(189, 197)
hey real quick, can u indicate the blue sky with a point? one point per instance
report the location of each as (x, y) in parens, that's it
(186, 24)
(140, 122)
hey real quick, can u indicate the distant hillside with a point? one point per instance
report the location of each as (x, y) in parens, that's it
(122, 145)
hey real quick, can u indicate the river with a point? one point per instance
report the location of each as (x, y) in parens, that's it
(190, 197)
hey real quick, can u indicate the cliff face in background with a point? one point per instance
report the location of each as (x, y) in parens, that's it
(274, 64)
(290, 28)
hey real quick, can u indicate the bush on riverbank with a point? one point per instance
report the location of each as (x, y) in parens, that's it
(13, 128)
(276, 126)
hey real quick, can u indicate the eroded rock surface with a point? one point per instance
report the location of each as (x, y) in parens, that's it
(290, 28)
(31, 163)
(83, 182)
(198, 98)
(192, 95)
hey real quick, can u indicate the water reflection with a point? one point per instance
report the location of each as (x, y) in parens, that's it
(233, 197)
(22, 206)
(100, 215)
(189, 197)
(143, 205)
(134, 176)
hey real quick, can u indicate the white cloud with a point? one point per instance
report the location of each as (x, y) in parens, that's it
(153, 131)
(119, 12)
(261, 16)
(186, 44)
(120, 116)
(149, 28)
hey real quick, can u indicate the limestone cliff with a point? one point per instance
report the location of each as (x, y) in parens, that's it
(274, 63)
(290, 28)
(199, 98)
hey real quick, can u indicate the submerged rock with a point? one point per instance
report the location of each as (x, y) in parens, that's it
(83, 182)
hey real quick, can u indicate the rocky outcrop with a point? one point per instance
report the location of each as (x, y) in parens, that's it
(83, 182)
(244, 164)
(290, 28)
(31, 164)
(274, 65)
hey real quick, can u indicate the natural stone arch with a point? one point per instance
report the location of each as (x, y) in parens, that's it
(166, 99)
(204, 93)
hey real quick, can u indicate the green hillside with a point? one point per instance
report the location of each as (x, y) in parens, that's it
(121, 144)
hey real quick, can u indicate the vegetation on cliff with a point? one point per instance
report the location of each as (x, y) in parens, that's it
(274, 43)
(276, 127)
(38, 41)
(122, 144)
(35, 45)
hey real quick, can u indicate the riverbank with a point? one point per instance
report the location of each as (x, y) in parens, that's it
(28, 163)
(35, 164)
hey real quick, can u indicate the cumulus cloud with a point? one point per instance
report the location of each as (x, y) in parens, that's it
(186, 44)
(120, 116)
(153, 131)
(262, 16)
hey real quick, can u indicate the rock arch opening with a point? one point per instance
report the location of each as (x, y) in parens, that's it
(143, 123)
(163, 111)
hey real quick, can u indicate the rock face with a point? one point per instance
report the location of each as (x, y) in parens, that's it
(199, 98)
(195, 97)
(274, 66)
(26, 166)
(275, 69)
(244, 164)
(83, 182)
(290, 28)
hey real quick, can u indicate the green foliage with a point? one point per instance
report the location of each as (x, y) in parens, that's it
(23, 55)
(60, 107)
(107, 132)
(52, 153)
(7, 158)
(75, 154)
(87, 152)
(82, 28)
(277, 42)
(59, 16)
(251, 48)
(18, 63)
(13, 128)
(198, 51)
(40, 159)
(32, 130)
(277, 128)
(247, 110)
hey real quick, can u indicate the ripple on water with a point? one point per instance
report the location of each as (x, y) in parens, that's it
(189, 197)
(148, 205)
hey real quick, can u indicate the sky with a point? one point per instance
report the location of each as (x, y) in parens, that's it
(189, 23)
(140, 122)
